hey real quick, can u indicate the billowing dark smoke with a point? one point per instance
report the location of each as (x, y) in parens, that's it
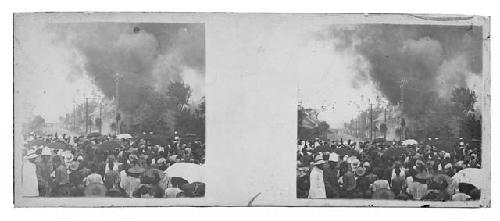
(145, 55)
(433, 59)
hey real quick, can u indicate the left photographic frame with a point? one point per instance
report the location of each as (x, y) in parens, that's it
(107, 110)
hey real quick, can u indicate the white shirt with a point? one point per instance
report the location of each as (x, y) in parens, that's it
(317, 185)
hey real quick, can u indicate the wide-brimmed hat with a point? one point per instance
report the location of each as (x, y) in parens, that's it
(424, 176)
(46, 151)
(360, 171)
(161, 160)
(303, 168)
(133, 157)
(74, 165)
(448, 166)
(136, 170)
(333, 157)
(30, 156)
(318, 159)
(319, 162)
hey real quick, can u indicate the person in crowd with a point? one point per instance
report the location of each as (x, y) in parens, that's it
(362, 184)
(348, 180)
(317, 184)
(421, 172)
(29, 177)
(331, 176)
(44, 170)
(303, 184)
(76, 177)
(61, 185)
(132, 181)
(398, 182)
(112, 177)
(173, 187)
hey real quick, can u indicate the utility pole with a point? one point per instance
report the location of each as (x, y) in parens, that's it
(371, 122)
(100, 117)
(404, 81)
(86, 115)
(74, 116)
(385, 123)
(357, 126)
(117, 94)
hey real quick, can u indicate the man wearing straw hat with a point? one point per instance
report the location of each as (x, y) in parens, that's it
(44, 169)
(330, 176)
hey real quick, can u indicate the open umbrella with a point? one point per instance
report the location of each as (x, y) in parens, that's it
(395, 151)
(378, 140)
(158, 140)
(37, 143)
(189, 171)
(324, 148)
(345, 151)
(93, 134)
(409, 142)
(108, 146)
(423, 177)
(57, 145)
(124, 136)
(472, 176)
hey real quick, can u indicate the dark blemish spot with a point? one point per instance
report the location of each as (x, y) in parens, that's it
(425, 206)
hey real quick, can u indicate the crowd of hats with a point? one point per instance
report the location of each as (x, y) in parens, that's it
(88, 158)
(424, 168)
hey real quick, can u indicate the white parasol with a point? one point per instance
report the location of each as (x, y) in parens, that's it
(189, 171)
(124, 136)
(473, 176)
(409, 142)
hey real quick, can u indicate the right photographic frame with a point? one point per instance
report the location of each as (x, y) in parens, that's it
(395, 113)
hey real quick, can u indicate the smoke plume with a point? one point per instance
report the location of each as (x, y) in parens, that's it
(432, 60)
(145, 56)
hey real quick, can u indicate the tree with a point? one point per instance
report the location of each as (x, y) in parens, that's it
(37, 124)
(153, 114)
(463, 100)
(179, 93)
(323, 128)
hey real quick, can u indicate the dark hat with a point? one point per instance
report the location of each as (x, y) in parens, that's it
(383, 194)
(195, 189)
(360, 171)
(136, 170)
(74, 165)
(95, 190)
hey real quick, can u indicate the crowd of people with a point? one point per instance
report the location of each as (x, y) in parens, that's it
(385, 170)
(109, 166)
